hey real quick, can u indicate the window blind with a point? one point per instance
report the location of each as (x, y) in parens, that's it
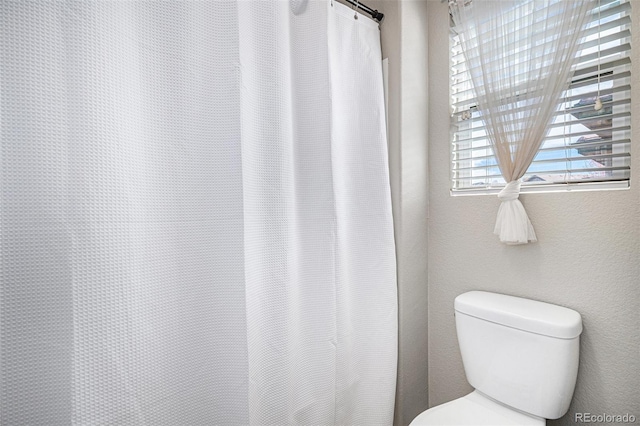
(584, 148)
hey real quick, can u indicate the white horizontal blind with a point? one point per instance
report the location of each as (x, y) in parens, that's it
(584, 148)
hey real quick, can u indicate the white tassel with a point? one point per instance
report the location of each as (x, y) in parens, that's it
(598, 105)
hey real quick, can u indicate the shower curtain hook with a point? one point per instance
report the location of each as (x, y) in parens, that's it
(355, 10)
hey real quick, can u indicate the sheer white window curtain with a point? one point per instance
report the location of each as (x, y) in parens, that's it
(519, 54)
(585, 148)
(195, 215)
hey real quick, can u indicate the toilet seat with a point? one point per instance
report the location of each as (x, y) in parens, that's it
(475, 409)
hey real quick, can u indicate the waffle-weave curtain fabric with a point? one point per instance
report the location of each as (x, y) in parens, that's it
(195, 215)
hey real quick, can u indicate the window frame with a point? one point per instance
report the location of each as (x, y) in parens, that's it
(458, 124)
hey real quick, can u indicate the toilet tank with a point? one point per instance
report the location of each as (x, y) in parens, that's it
(520, 352)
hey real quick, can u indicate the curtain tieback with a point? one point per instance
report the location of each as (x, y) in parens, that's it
(510, 192)
(512, 224)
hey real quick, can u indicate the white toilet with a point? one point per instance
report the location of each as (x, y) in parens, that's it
(521, 356)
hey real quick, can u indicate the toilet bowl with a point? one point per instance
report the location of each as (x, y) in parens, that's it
(477, 410)
(520, 355)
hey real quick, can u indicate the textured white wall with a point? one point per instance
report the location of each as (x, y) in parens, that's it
(587, 258)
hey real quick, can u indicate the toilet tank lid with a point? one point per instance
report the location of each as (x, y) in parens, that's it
(524, 314)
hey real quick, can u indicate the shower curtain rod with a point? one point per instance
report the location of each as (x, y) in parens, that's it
(374, 13)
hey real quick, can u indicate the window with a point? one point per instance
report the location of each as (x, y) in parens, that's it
(584, 148)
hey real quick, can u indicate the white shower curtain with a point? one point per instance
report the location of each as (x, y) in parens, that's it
(195, 218)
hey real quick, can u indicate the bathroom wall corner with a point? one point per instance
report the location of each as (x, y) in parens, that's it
(404, 43)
